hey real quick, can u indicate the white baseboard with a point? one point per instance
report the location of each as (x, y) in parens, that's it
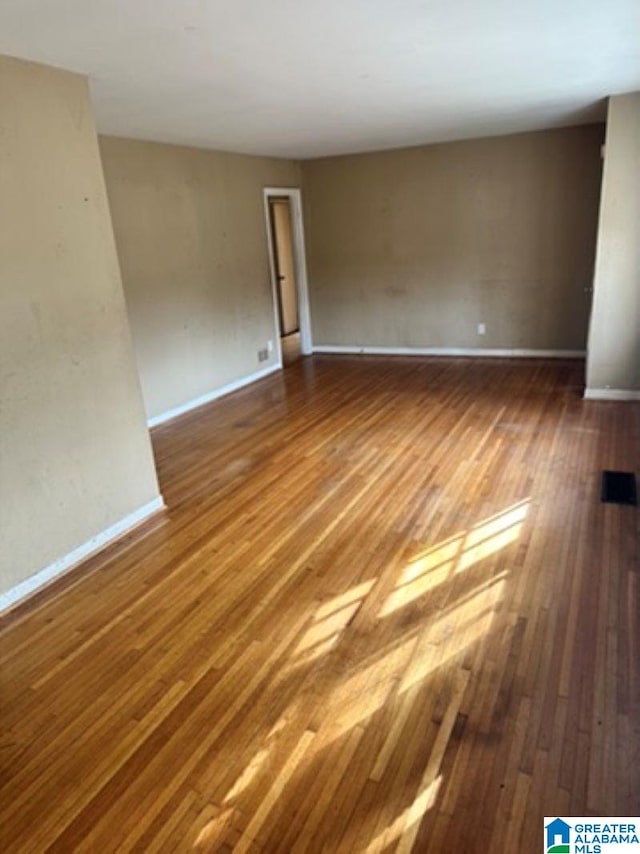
(611, 394)
(64, 564)
(450, 351)
(212, 395)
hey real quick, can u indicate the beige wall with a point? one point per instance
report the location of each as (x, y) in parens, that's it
(614, 336)
(191, 235)
(413, 248)
(75, 456)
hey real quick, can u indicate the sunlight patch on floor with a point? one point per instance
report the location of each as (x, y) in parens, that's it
(492, 536)
(327, 627)
(408, 819)
(336, 603)
(361, 695)
(247, 775)
(213, 830)
(328, 623)
(440, 563)
(439, 638)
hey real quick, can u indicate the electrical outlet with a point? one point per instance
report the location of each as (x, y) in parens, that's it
(270, 346)
(263, 355)
(482, 328)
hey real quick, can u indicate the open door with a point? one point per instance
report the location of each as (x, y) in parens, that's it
(285, 234)
(286, 289)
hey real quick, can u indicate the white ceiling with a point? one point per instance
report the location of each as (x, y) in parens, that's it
(302, 78)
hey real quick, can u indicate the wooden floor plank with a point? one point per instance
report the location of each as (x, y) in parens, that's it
(385, 610)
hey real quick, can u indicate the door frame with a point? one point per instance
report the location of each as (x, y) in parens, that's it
(300, 263)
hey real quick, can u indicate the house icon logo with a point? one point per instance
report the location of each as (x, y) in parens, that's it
(558, 835)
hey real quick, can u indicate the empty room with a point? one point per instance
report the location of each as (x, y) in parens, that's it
(319, 426)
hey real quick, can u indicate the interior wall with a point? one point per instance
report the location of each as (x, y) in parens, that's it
(75, 456)
(614, 338)
(416, 247)
(191, 235)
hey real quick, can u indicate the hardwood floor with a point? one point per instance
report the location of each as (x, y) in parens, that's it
(385, 611)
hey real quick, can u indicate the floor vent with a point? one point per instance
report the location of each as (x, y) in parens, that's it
(619, 487)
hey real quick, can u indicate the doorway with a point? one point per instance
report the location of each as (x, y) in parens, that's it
(283, 211)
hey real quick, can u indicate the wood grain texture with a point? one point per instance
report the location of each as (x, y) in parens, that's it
(384, 611)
